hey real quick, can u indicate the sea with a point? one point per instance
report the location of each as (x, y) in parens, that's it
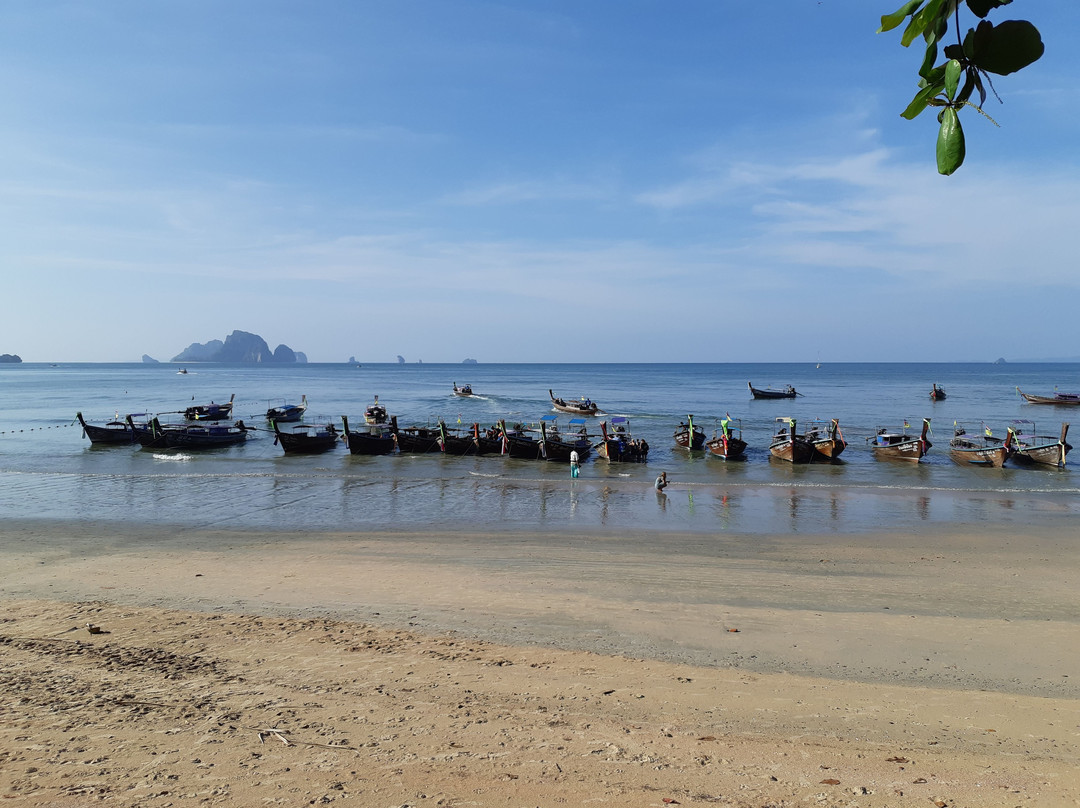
(49, 470)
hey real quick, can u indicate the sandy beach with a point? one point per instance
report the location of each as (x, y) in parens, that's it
(453, 669)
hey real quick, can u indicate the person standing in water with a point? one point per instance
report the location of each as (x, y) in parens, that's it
(575, 468)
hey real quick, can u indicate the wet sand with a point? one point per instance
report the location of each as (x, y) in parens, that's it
(537, 669)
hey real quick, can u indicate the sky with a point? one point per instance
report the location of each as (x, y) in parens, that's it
(546, 181)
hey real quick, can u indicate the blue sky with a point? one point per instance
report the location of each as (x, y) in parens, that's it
(524, 182)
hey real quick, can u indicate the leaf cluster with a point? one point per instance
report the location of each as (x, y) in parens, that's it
(985, 49)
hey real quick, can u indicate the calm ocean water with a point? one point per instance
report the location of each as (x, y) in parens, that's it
(48, 470)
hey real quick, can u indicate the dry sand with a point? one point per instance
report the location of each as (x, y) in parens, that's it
(518, 670)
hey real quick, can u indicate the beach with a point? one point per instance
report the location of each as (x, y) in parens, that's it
(524, 668)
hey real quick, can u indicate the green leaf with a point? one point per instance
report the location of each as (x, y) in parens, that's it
(950, 142)
(920, 21)
(1006, 47)
(920, 101)
(952, 78)
(890, 21)
(980, 8)
(928, 60)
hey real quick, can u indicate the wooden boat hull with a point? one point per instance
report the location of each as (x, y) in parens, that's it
(771, 394)
(418, 440)
(211, 411)
(209, 437)
(1059, 400)
(307, 440)
(114, 433)
(376, 440)
(730, 448)
(912, 449)
(621, 451)
(454, 443)
(792, 451)
(937, 394)
(573, 407)
(993, 457)
(287, 413)
(1044, 451)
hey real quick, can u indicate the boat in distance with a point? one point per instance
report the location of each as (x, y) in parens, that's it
(376, 413)
(464, 390)
(306, 438)
(889, 445)
(287, 413)
(937, 393)
(985, 450)
(729, 443)
(768, 392)
(371, 439)
(584, 407)
(1062, 399)
(211, 411)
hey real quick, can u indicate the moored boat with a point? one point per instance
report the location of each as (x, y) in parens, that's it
(211, 411)
(889, 445)
(491, 440)
(306, 438)
(464, 390)
(619, 445)
(1061, 399)
(192, 436)
(768, 392)
(547, 442)
(371, 439)
(689, 436)
(416, 439)
(985, 450)
(937, 393)
(826, 438)
(287, 413)
(1030, 448)
(586, 406)
(112, 433)
(790, 446)
(728, 444)
(458, 442)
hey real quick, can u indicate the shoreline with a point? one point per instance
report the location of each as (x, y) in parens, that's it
(453, 669)
(958, 609)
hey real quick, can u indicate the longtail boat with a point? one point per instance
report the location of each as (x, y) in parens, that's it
(889, 445)
(211, 411)
(729, 443)
(416, 439)
(689, 436)
(1033, 449)
(585, 406)
(193, 436)
(788, 445)
(306, 438)
(826, 438)
(372, 439)
(1061, 399)
(619, 445)
(985, 450)
(464, 390)
(456, 443)
(112, 433)
(937, 393)
(287, 413)
(768, 392)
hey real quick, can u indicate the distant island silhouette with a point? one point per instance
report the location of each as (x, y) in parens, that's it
(13, 359)
(239, 346)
